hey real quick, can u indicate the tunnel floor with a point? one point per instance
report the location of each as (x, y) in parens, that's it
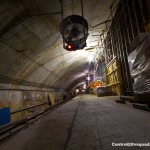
(85, 123)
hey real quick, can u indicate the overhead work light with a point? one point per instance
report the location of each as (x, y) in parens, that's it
(74, 30)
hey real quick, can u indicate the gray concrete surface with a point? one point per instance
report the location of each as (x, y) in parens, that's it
(31, 45)
(85, 123)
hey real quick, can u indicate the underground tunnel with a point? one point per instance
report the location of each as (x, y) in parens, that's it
(74, 74)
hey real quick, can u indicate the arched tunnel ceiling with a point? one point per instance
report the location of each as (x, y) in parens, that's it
(31, 45)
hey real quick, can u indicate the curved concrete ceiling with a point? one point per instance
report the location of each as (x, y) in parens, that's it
(31, 45)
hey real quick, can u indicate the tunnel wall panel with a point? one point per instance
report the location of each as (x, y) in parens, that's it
(18, 100)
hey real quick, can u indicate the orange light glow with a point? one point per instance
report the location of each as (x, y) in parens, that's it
(69, 46)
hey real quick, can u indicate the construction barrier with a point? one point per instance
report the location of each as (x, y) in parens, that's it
(113, 77)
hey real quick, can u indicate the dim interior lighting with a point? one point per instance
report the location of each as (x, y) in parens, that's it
(90, 58)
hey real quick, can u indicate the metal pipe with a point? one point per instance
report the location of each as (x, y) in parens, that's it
(121, 47)
(127, 48)
(111, 28)
(112, 43)
(7, 79)
(6, 129)
(62, 16)
(27, 90)
(141, 11)
(128, 75)
(126, 33)
(130, 20)
(104, 22)
(120, 55)
(83, 21)
(45, 14)
(82, 8)
(28, 108)
(135, 16)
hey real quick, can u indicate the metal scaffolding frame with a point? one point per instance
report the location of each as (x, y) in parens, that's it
(128, 21)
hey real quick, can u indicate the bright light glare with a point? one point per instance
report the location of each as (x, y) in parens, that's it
(84, 86)
(77, 90)
(90, 58)
(82, 53)
(132, 61)
(69, 46)
(88, 78)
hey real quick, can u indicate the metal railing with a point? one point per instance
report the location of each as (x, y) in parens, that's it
(7, 131)
(20, 110)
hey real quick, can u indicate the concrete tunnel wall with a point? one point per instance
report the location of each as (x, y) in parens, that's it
(20, 99)
(31, 50)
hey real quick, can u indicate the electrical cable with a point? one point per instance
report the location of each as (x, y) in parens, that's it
(72, 7)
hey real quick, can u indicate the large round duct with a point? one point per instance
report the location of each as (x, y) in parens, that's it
(74, 30)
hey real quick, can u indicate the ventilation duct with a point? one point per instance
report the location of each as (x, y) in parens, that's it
(74, 30)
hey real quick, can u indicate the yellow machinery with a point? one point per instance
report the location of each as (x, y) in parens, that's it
(94, 85)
